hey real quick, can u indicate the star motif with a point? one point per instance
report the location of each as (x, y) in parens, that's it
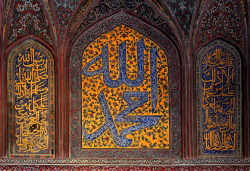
(182, 7)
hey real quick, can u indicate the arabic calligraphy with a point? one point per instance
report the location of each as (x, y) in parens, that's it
(31, 102)
(124, 92)
(218, 102)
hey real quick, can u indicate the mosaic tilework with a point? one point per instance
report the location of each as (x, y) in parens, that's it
(76, 105)
(219, 101)
(31, 101)
(125, 79)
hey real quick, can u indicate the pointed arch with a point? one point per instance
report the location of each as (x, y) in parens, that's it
(31, 101)
(219, 100)
(75, 90)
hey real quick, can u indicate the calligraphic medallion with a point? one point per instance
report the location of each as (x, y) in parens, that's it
(125, 94)
(219, 106)
(31, 101)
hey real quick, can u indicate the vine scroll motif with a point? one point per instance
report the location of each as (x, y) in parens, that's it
(125, 92)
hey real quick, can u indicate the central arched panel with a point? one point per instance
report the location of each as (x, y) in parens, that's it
(125, 97)
(124, 92)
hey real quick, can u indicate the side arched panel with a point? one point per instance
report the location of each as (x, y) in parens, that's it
(219, 101)
(31, 99)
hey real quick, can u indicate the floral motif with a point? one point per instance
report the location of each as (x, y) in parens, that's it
(64, 9)
(76, 59)
(140, 8)
(221, 19)
(183, 11)
(28, 18)
(92, 114)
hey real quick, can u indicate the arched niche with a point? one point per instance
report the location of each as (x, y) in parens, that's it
(219, 100)
(31, 101)
(79, 71)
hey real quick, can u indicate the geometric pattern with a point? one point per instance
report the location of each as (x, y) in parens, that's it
(230, 162)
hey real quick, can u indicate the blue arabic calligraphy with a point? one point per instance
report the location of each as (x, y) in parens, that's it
(123, 74)
(143, 121)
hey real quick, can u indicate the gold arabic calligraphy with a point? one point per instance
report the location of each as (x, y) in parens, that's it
(31, 102)
(218, 102)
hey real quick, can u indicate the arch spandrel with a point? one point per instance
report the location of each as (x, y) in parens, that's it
(219, 101)
(31, 97)
(91, 38)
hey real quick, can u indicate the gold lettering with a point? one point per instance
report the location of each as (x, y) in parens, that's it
(218, 101)
(31, 104)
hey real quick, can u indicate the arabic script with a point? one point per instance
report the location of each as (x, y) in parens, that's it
(124, 92)
(218, 102)
(31, 101)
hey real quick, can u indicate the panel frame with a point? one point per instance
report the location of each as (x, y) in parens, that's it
(51, 101)
(162, 41)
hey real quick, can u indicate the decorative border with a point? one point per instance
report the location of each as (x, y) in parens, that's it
(123, 168)
(75, 91)
(120, 162)
(200, 58)
(11, 119)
